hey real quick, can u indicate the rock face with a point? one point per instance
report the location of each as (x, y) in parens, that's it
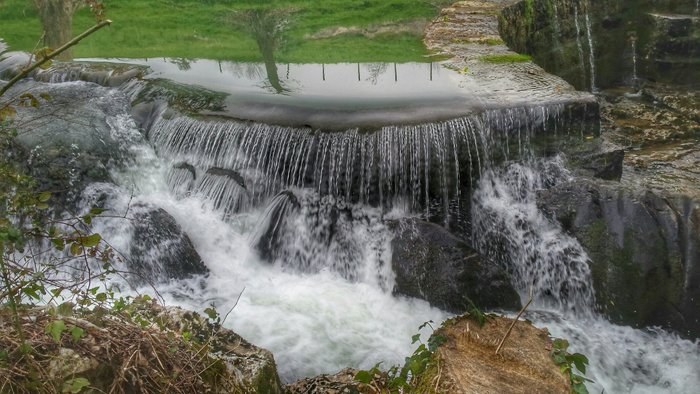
(432, 264)
(469, 31)
(468, 363)
(72, 136)
(631, 39)
(644, 249)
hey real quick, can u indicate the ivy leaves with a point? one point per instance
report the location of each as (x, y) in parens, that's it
(567, 362)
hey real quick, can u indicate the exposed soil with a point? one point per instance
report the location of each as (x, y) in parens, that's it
(470, 365)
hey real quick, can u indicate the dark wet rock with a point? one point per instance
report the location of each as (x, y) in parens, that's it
(160, 250)
(146, 113)
(600, 163)
(644, 249)
(267, 239)
(230, 174)
(188, 167)
(432, 264)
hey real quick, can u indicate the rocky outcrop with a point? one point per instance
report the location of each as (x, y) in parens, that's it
(69, 136)
(605, 43)
(160, 250)
(432, 264)
(468, 31)
(644, 250)
(144, 347)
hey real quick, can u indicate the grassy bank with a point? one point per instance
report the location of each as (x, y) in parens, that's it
(194, 29)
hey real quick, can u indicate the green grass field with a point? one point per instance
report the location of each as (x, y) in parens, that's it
(194, 29)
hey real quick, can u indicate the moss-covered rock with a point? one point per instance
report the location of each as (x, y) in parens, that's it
(643, 250)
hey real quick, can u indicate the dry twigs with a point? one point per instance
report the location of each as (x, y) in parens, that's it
(510, 329)
(121, 357)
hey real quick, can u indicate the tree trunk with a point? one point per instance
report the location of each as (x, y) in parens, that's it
(57, 21)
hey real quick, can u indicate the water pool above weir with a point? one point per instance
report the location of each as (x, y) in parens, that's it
(338, 97)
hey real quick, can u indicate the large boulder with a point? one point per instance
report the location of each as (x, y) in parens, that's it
(71, 135)
(432, 264)
(644, 250)
(154, 246)
(160, 250)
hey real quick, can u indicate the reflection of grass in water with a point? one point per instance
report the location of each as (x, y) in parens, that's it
(192, 28)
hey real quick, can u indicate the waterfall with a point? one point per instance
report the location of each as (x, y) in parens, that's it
(413, 166)
(510, 230)
(293, 220)
(557, 31)
(582, 62)
(591, 52)
(633, 45)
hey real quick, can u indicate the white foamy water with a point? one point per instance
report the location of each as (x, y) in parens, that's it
(314, 322)
(322, 316)
(627, 360)
(510, 229)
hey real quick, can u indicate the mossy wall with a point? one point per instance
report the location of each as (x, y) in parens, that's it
(554, 33)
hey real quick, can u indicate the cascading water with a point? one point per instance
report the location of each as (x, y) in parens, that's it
(313, 205)
(510, 229)
(244, 164)
(633, 48)
(591, 51)
(579, 45)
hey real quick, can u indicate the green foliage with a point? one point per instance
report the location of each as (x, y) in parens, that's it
(529, 13)
(193, 29)
(75, 385)
(567, 362)
(507, 58)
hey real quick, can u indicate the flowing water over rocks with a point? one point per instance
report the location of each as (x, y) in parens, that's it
(297, 226)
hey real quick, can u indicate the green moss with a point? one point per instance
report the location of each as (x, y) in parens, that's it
(507, 58)
(529, 13)
(486, 41)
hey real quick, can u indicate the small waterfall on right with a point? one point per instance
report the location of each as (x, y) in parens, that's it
(582, 62)
(591, 51)
(633, 47)
(510, 229)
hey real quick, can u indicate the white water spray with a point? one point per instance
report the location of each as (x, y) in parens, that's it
(510, 229)
(591, 52)
(582, 62)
